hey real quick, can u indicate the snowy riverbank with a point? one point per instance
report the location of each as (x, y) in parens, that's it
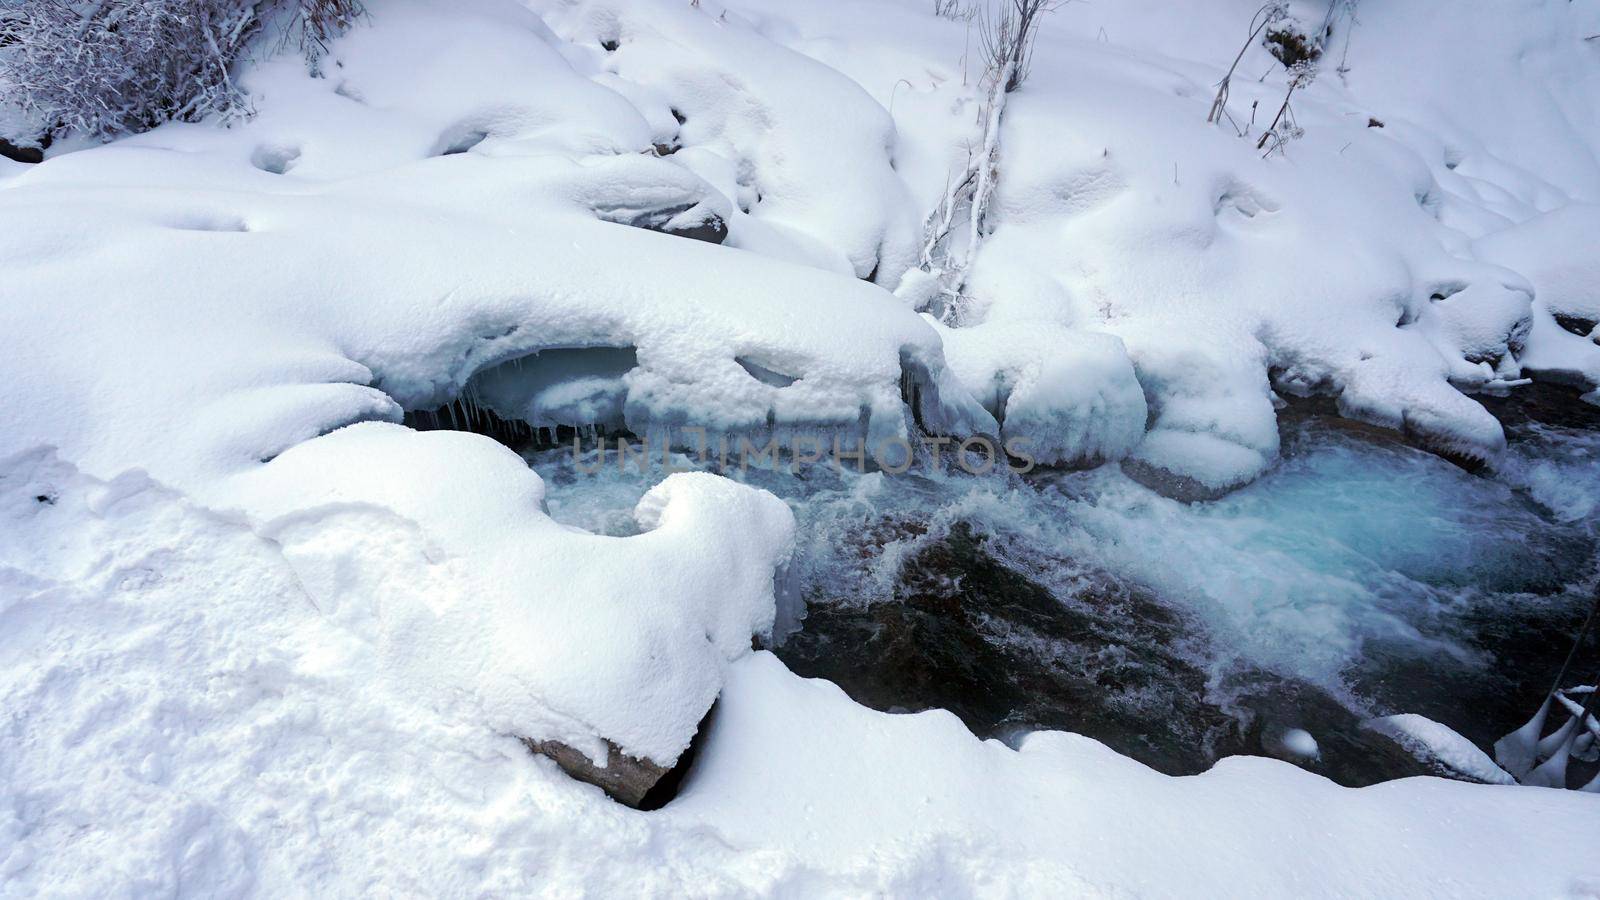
(258, 635)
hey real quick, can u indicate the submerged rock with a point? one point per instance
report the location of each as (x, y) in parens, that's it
(970, 634)
(1167, 483)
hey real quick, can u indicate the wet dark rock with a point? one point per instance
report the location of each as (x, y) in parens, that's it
(969, 635)
(1577, 324)
(1347, 752)
(19, 153)
(1297, 410)
(690, 220)
(1543, 403)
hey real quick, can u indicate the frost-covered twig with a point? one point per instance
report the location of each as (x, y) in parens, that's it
(954, 10)
(1008, 48)
(1283, 128)
(1300, 54)
(1266, 15)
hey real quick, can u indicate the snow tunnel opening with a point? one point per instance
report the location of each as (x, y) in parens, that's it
(275, 159)
(692, 219)
(539, 400)
(461, 137)
(767, 375)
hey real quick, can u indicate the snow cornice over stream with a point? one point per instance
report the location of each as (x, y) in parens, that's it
(261, 636)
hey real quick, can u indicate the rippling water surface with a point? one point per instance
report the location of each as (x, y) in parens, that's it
(1361, 577)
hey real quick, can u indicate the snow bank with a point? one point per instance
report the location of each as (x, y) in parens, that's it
(251, 290)
(478, 597)
(1559, 252)
(1079, 819)
(257, 637)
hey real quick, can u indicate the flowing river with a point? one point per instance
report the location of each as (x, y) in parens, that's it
(1361, 577)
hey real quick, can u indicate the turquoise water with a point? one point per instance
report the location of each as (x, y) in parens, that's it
(1361, 576)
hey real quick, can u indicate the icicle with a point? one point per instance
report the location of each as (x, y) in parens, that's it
(1558, 738)
(1518, 751)
(1552, 772)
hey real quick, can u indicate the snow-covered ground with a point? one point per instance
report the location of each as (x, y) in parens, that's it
(257, 637)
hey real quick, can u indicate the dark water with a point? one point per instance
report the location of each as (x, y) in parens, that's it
(1361, 577)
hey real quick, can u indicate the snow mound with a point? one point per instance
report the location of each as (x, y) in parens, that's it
(444, 554)
(1559, 252)
(801, 150)
(283, 306)
(1063, 397)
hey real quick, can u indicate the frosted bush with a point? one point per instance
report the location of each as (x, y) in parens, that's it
(112, 67)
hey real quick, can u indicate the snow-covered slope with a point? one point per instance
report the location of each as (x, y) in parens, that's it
(256, 637)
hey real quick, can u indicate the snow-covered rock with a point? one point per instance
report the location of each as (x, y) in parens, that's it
(479, 598)
(1559, 252)
(1061, 396)
(1434, 743)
